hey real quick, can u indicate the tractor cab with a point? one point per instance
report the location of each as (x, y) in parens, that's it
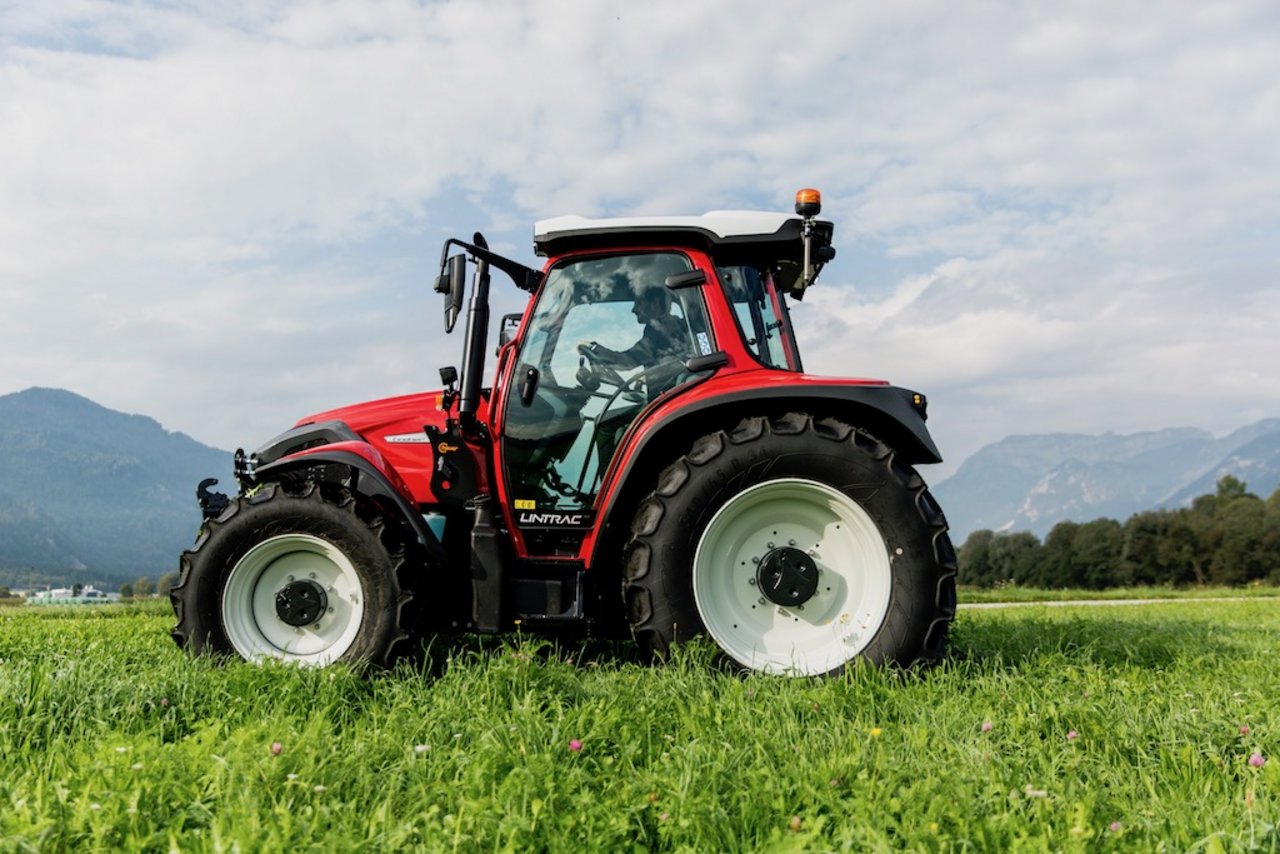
(626, 319)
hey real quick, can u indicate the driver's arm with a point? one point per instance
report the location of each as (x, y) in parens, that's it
(600, 353)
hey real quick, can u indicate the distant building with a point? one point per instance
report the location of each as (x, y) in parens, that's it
(89, 595)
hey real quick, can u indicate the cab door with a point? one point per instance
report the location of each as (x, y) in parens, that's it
(601, 344)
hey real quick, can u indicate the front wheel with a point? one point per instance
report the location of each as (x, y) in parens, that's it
(297, 576)
(797, 546)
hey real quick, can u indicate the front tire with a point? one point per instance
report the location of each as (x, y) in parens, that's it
(295, 575)
(797, 545)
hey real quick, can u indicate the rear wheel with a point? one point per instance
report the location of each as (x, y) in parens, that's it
(797, 545)
(295, 576)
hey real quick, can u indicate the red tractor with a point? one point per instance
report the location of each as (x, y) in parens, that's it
(651, 458)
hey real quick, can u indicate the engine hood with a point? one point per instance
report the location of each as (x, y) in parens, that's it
(377, 417)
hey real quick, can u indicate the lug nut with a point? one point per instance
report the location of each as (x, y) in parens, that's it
(751, 581)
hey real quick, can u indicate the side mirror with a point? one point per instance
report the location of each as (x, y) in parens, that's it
(452, 282)
(507, 331)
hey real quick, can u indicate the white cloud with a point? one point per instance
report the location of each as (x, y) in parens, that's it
(226, 217)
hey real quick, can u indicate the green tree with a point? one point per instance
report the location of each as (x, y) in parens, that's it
(1058, 562)
(1238, 531)
(1270, 540)
(1182, 550)
(1016, 558)
(1085, 556)
(126, 591)
(166, 583)
(1143, 552)
(975, 559)
(1098, 547)
(143, 587)
(1231, 487)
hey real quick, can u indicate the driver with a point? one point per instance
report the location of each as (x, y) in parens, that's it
(664, 336)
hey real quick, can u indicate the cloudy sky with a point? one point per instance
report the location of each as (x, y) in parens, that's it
(1050, 217)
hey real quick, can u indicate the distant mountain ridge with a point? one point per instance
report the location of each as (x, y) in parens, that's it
(86, 490)
(1030, 483)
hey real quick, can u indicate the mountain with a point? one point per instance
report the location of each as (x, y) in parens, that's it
(1030, 483)
(90, 494)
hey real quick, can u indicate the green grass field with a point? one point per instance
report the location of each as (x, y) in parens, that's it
(1013, 593)
(1046, 729)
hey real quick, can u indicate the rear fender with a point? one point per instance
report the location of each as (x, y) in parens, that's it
(370, 477)
(889, 413)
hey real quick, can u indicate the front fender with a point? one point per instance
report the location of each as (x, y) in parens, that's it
(370, 477)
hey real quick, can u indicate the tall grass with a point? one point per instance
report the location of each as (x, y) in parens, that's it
(1130, 727)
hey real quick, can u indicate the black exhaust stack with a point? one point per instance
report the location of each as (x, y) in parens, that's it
(476, 340)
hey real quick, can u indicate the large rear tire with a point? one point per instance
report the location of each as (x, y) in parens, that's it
(298, 575)
(797, 545)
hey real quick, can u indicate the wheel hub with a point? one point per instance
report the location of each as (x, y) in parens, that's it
(787, 576)
(299, 603)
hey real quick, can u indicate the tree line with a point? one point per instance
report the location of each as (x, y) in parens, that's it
(1231, 537)
(145, 587)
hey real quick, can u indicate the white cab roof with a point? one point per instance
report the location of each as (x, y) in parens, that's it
(723, 224)
(717, 228)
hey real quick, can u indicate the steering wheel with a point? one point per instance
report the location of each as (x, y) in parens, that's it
(591, 365)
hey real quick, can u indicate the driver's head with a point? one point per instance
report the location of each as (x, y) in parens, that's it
(652, 303)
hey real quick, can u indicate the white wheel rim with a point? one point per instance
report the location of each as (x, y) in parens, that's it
(249, 601)
(854, 580)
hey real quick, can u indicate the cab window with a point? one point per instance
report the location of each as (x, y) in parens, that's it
(761, 312)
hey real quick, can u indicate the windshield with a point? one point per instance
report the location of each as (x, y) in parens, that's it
(761, 312)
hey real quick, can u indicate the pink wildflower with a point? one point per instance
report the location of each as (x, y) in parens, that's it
(987, 726)
(1115, 827)
(1072, 735)
(1244, 729)
(575, 745)
(1257, 760)
(276, 748)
